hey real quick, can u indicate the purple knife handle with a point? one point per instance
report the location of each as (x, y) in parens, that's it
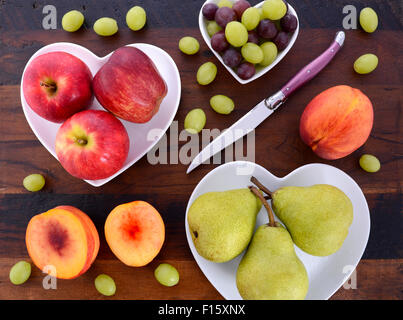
(313, 68)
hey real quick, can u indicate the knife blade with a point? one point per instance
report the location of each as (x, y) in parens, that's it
(266, 107)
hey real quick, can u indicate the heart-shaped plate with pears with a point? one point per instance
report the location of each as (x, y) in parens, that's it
(326, 274)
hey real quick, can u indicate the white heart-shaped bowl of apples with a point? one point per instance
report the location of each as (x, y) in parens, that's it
(234, 61)
(142, 136)
(326, 274)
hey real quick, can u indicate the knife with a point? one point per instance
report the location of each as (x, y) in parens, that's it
(266, 107)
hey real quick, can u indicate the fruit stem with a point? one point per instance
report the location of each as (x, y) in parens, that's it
(266, 205)
(81, 142)
(50, 86)
(261, 186)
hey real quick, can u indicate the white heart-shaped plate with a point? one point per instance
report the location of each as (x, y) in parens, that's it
(326, 274)
(259, 71)
(140, 141)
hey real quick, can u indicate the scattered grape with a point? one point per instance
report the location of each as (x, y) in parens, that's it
(213, 28)
(267, 29)
(218, 42)
(240, 6)
(281, 40)
(366, 63)
(166, 274)
(246, 70)
(105, 26)
(20, 272)
(225, 15)
(189, 45)
(206, 73)
(368, 19)
(34, 182)
(253, 37)
(105, 285)
(252, 53)
(222, 104)
(195, 121)
(136, 18)
(72, 21)
(370, 163)
(236, 34)
(209, 10)
(225, 3)
(274, 9)
(251, 18)
(289, 23)
(232, 58)
(269, 53)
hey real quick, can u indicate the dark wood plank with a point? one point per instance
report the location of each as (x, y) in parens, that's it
(376, 280)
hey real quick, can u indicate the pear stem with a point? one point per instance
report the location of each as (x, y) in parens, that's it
(261, 186)
(266, 205)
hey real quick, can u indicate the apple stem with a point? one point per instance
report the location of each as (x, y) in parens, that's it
(51, 86)
(81, 142)
(261, 187)
(266, 205)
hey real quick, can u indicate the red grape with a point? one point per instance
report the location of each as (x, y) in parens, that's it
(218, 41)
(253, 37)
(239, 7)
(246, 70)
(267, 29)
(209, 10)
(281, 40)
(224, 15)
(232, 57)
(289, 23)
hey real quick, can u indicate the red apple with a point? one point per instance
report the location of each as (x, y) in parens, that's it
(129, 85)
(92, 145)
(56, 85)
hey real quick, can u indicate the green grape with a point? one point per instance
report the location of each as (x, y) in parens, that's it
(274, 9)
(213, 28)
(195, 121)
(269, 53)
(166, 274)
(222, 104)
(189, 45)
(72, 21)
(20, 272)
(261, 13)
(370, 163)
(225, 3)
(136, 18)
(366, 63)
(105, 26)
(236, 34)
(252, 53)
(34, 182)
(206, 73)
(368, 19)
(251, 18)
(105, 285)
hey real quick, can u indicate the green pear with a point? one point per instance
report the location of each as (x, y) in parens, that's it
(270, 268)
(222, 223)
(317, 217)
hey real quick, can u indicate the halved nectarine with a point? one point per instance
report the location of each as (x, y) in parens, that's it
(65, 238)
(135, 233)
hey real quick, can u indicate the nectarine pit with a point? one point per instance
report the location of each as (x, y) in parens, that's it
(57, 236)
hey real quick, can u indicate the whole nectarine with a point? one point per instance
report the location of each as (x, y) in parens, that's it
(337, 122)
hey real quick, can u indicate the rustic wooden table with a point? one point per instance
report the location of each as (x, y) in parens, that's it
(167, 187)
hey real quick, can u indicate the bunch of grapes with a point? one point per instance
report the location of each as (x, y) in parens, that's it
(248, 37)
